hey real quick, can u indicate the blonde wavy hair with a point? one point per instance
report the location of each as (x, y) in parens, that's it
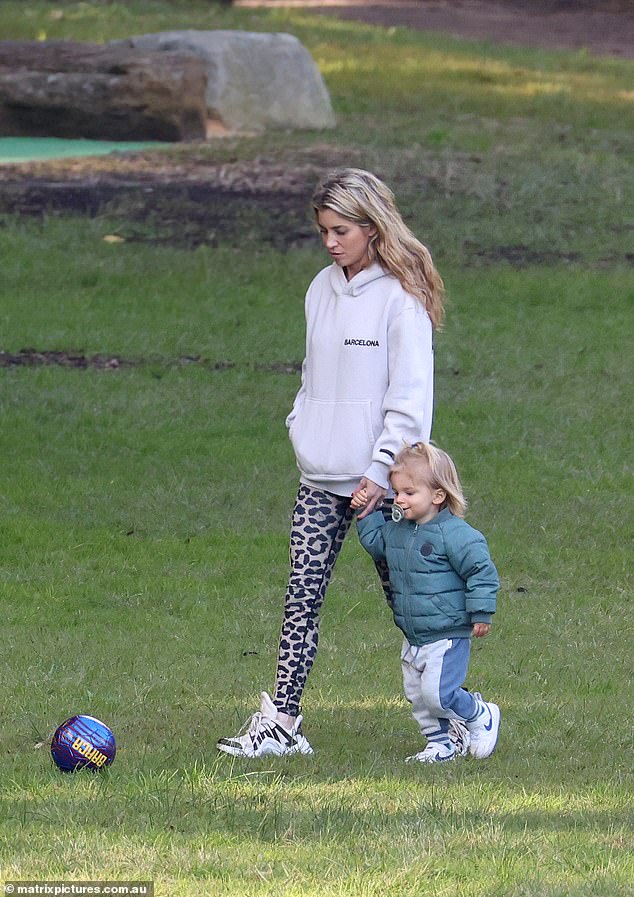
(427, 463)
(365, 200)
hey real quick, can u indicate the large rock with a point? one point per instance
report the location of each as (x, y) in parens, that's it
(254, 81)
(66, 89)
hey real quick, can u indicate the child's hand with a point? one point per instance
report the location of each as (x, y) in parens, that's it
(481, 629)
(359, 499)
(372, 496)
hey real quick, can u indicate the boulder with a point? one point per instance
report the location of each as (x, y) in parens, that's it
(255, 80)
(104, 92)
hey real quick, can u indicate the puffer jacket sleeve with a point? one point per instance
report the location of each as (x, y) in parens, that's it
(371, 534)
(469, 555)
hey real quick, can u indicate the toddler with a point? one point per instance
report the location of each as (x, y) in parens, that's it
(443, 591)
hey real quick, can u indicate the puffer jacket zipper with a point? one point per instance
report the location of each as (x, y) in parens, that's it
(407, 604)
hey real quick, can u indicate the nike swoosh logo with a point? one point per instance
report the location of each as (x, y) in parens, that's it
(490, 726)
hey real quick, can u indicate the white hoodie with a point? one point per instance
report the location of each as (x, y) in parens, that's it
(367, 379)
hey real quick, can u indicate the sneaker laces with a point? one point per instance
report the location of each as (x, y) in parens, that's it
(459, 736)
(257, 720)
(251, 726)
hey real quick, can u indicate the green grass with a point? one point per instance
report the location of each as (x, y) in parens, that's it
(145, 508)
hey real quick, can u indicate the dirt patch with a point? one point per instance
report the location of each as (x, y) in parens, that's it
(189, 213)
(183, 215)
(183, 206)
(36, 358)
(81, 361)
(179, 198)
(604, 27)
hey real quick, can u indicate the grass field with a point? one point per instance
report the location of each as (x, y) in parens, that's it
(146, 506)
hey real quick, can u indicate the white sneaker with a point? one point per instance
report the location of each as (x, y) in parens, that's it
(435, 752)
(265, 735)
(459, 736)
(484, 729)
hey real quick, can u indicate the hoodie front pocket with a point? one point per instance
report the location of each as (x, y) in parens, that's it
(333, 439)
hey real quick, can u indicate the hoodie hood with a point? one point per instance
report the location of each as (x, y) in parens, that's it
(358, 283)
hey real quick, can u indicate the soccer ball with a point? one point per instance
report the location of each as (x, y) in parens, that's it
(83, 742)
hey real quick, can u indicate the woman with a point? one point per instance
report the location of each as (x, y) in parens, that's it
(367, 389)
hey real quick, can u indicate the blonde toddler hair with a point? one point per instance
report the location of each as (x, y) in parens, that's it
(429, 464)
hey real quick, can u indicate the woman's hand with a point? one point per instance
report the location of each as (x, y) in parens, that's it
(481, 629)
(374, 495)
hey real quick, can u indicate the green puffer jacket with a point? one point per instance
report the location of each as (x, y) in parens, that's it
(441, 574)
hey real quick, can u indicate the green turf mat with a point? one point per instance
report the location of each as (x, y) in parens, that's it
(31, 149)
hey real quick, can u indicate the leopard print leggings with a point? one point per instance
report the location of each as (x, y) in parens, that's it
(319, 526)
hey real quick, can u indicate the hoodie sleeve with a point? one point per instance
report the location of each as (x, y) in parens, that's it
(371, 534)
(408, 402)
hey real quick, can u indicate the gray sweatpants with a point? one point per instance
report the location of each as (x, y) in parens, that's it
(433, 676)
